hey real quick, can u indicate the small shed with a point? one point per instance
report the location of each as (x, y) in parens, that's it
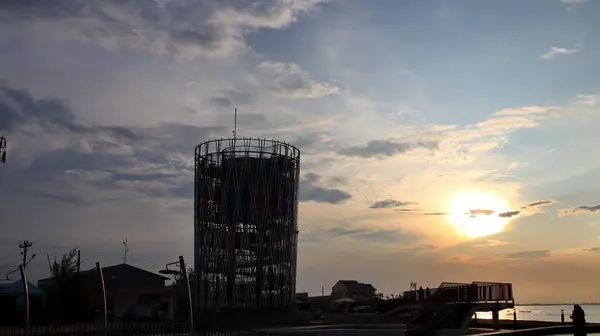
(12, 301)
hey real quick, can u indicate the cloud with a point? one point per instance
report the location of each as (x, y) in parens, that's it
(187, 28)
(509, 214)
(588, 99)
(461, 259)
(529, 254)
(389, 203)
(582, 209)
(52, 155)
(464, 144)
(419, 248)
(592, 249)
(368, 235)
(491, 243)
(83, 164)
(555, 51)
(573, 2)
(528, 209)
(385, 237)
(341, 231)
(406, 211)
(310, 191)
(292, 82)
(538, 203)
(338, 180)
(383, 148)
(484, 212)
(437, 213)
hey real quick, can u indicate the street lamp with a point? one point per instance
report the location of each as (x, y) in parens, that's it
(183, 271)
(17, 269)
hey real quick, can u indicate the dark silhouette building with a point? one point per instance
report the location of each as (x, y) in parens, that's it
(245, 224)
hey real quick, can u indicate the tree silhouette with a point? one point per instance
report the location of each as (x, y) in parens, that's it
(67, 298)
(178, 278)
(65, 267)
(413, 285)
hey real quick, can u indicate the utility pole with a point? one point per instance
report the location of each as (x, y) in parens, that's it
(25, 246)
(234, 124)
(78, 260)
(2, 149)
(126, 249)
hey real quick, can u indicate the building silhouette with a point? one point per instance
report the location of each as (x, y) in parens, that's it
(245, 224)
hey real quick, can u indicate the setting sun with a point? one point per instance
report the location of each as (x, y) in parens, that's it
(475, 214)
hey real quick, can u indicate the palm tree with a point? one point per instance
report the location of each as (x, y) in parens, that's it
(66, 266)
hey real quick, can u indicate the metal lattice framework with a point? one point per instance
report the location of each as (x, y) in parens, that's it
(245, 220)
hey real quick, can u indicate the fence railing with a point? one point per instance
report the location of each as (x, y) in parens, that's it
(475, 292)
(123, 329)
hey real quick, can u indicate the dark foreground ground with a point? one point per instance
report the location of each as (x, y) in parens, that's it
(510, 324)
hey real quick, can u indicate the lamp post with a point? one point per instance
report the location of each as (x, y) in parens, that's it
(183, 271)
(104, 307)
(25, 298)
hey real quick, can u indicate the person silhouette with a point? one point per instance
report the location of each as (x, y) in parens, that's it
(421, 293)
(427, 293)
(578, 320)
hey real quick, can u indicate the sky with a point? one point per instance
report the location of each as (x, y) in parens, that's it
(441, 140)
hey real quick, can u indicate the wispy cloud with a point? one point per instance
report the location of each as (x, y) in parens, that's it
(491, 243)
(389, 203)
(385, 148)
(527, 209)
(528, 254)
(509, 214)
(291, 81)
(481, 212)
(437, 213)
(538, 203)
(555, 51)
(419, 248)
(588, 99)
(573, 2)
(367, 235)
(581, 209)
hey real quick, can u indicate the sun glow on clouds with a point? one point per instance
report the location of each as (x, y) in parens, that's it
(475, 214)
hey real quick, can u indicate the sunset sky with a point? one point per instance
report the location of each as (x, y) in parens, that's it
(441, 140)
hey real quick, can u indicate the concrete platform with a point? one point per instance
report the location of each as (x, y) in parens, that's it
(360, 330)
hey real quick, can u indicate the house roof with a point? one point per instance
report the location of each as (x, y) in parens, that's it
(353, 284)
(115, 269)
(16, 288)
(348, 282)
(123, 267)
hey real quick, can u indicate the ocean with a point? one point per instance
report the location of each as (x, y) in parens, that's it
(545, 313)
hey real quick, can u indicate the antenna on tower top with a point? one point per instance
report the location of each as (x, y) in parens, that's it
(234, 123)
(126, 249)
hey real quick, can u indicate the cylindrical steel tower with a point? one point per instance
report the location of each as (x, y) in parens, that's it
(245, 224)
